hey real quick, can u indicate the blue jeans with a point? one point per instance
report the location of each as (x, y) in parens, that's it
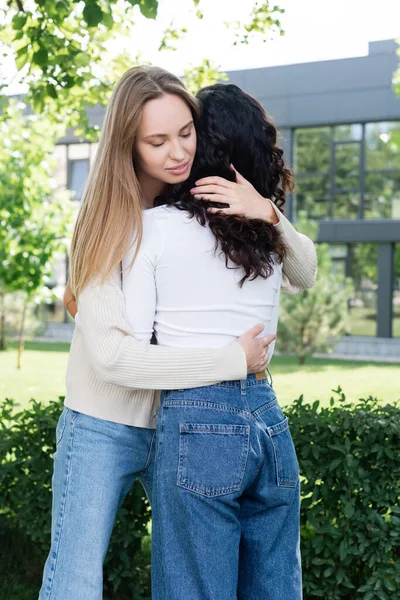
(95, 465)
(226, 496)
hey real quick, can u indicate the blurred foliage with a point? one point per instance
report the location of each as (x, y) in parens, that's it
(63, 51)
(33, 219)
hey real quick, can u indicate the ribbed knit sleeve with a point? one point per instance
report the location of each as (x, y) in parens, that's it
(118, 358)
(300, 262)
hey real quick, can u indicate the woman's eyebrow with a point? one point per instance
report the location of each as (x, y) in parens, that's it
(163, 135)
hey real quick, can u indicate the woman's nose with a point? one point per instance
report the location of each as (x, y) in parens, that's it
(177, 152)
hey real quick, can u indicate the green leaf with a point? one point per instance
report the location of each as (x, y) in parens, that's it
(40, 57)
(349, 509)
(82, 60)
(343, 550)
(52, 92)
(148, 8)
(19, 21)
(328, 572)
(92, 13)
(22, 57)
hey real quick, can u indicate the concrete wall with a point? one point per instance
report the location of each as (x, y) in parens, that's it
(328, 92)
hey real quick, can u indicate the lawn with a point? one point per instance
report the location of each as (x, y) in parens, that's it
(43, 376)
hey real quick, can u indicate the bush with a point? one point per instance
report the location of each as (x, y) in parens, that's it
(350, 513)
(27, 444)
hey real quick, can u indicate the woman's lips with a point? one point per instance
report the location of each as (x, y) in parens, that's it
(180, 170)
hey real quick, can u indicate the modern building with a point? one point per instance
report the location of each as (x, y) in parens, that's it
(340, 128)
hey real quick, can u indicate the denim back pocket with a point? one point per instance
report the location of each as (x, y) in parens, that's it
(287, 466)
(212, 458)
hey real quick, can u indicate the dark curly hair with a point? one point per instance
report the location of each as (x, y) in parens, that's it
(233, 128)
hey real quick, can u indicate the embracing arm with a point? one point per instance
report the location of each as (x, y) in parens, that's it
(120, 359)
(300, 262)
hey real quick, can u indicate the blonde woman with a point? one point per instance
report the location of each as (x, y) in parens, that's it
(105, 435)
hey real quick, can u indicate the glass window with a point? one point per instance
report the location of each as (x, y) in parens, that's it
(382, 195)
(313, 195)
(382, 146)
(346, 205)
(312, 150)
(363, 303)
(348, 132)
(79, 170)
(347, 166)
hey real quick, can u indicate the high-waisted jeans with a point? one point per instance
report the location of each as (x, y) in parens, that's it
(226, 496)
(95, 465)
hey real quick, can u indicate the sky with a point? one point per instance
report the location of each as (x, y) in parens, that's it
(315, 30)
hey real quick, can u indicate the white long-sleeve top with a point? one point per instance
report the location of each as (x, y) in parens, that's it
(112, 375)
(181, 288)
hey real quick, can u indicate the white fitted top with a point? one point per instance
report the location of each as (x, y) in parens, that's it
(181, 289)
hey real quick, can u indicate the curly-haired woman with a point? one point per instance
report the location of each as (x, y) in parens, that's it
(226, 490)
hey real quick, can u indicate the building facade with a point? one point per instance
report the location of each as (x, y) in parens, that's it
(340, 129)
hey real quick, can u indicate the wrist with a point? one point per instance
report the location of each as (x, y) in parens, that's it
(270, 214)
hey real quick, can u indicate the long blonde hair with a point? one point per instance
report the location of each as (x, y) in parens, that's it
(111, 210)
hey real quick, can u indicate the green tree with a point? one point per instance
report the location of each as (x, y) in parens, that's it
(314, 320)
(33, 218)
(62, 48)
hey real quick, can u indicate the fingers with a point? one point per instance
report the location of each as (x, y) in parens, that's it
(209, 189)
(267, 339)
(223, 211)
(255, 331)
(215, 181)
(212, 198)
(239, 177)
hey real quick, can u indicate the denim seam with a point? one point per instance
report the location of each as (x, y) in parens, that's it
(286, 483)
(204, 404)
(280, 482)
(262, 409)
(159, 440)
(150, 451)
(237, 384)
(61, 515)
(62, 428)
(258, 469)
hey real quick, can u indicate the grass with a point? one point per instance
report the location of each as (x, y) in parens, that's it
(43, 376)
(319, 376)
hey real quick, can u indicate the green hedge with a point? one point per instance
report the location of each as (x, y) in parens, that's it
(350, 512)
(350, 515)
(27, 443)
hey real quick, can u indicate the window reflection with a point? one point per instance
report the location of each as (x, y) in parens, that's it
(348, 171)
